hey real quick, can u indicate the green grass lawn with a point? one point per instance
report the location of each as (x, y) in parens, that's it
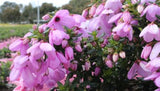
(11, 30)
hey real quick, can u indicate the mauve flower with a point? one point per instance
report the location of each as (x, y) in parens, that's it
(69, 54)
(64, 43)
(151, 11)
(146, 51)
(19, 45)
(74, 65)
(61, 19)
(78, 48)
(42, 28)
(114, 5)
(97, 71)
(108, 62)
(92, 10)
(155, 51)
(56, 37)
(153, 65)
(115, 18)
(78, 19)
(46, 17)
(138, 69)
(99, 10)
(124, 30)
(61, 57)
(87, 65)
(150, 32)
(85, 13)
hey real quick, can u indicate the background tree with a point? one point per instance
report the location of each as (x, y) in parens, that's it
(76, 6)
(10, 12)
(46, 7)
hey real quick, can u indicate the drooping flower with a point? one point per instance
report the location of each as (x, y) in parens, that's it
(116, 3)
(61, 19)
(69, 53)
(151, 11)
(146, 51)
(150, 32)
(155, 51)
(97, 71)
(56, 37)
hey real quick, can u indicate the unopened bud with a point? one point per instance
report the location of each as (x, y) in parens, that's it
(92, 11)
(97, 71)
(115, 37)
(46, 17)
(108, 63)
(34, 27)
(122, 54)
(73, 65)
(140, 8)
(115, 57)
(78, 48)
(64, 43)
(87, 65)
(85, 13)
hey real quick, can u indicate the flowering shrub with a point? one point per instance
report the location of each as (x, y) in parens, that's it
(102, 49)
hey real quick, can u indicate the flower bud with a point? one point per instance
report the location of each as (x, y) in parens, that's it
(69, 53)
(88, 87)
(115, 37)
(46, 17)
(146, 51)
(73, 65)
(140, 8)
(34, 27)
(78, 48)
(85, 13)
(122, 54)
(92, 11)
(97, 71)
(115, 57)
(108, 63)
(64, 43)
(87, 65)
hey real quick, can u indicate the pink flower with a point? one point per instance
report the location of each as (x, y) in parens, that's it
(56, 37)
(69, 53)
(46, 17)
(61, 19)
(138, 69)
(74, 65)
(64, 43)
(150, 32)
(92, 10)
(78, 19)
(87, 65)
(151, 11)
(109, 63)
(116, 3)
(97, 71)
(124, 30)
(61, 57)
(85, 13)
(42, 28)
(78, 48)
(146, 51)
(155, 51)
(99, 10)
(18, 45)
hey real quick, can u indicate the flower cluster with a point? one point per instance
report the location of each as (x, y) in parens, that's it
(85, 47)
